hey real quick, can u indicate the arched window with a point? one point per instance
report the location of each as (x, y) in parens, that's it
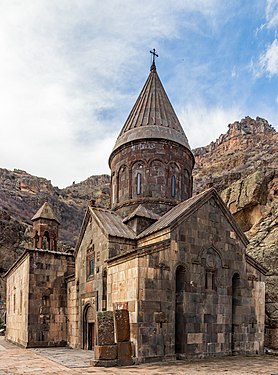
(173, 186)
(46, 241)
(90, 264)
(138, 183)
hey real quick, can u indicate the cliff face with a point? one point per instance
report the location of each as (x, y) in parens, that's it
(242, 166)
(22, 194)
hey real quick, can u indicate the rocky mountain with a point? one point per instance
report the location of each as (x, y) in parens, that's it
(22, 194)
(241, 165)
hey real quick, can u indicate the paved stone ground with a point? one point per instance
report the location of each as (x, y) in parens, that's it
(18, 361)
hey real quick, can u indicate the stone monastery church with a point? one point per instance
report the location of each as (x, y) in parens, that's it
(161, 275)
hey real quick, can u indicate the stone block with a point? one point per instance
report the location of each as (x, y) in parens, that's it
(122, 325)
(125, 353)
(160, 317)
(106, 352)
(105, 328)
(194, 338)
(150, 305)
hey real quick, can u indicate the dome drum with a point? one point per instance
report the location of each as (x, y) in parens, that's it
(153, 172)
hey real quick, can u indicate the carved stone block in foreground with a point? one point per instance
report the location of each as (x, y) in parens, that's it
(105, 328)
(106, 352)
(122, 325)
(125, 353)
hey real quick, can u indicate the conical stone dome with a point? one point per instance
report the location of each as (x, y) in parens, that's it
(151, 162)
(152, 116)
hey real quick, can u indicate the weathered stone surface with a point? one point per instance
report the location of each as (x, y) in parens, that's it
(157, 193)
(125, 353)
(105, 352)
(37, 299)
(122, 326)
(105, 328)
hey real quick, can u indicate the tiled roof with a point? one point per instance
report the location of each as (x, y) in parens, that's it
(152, 116)
(112, 223)
(45, 212)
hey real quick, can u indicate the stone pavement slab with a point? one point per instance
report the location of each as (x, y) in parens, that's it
(72, 358)
(18, 361)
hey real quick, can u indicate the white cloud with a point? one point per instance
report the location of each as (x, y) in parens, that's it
(272, 13)
(203, 124)
(67, 67)
(269, 60)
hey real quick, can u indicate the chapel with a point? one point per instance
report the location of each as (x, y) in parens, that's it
(161, 275)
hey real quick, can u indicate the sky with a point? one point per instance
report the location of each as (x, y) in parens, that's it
(71, 70)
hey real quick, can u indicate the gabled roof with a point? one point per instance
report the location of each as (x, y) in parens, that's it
(111, 223)
(45, 212)
(187, 208)
(152, 116)
(141, 211)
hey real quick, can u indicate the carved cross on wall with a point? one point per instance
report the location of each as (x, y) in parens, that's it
(153, 52)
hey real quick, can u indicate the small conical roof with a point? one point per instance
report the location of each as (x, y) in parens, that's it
(45, 212)
(152, 116)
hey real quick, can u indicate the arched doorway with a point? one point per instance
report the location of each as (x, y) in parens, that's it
(180, 324)
(236, 303)
(89, 328)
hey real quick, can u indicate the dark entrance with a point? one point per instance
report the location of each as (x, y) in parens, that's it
(89, 328)
(91, 335)
(180, 326)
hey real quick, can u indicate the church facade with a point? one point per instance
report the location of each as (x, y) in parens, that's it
(166, 271)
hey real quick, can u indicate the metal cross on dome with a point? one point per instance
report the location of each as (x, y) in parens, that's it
(153, 52)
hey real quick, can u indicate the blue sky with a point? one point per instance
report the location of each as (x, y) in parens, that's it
(71, 70)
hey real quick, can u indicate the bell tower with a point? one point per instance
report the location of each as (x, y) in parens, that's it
(151, 162)
(45, 228)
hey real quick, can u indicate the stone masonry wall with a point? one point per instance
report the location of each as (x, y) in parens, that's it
(156, 162)
(47, 315)
(17, 303)
(194, 295)
(91, 285)
(73, 317)
(123, 288)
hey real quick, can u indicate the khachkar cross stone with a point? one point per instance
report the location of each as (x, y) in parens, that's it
(153, 52)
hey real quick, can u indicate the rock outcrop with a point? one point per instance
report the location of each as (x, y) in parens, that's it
(242, 166)
(22, 194)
